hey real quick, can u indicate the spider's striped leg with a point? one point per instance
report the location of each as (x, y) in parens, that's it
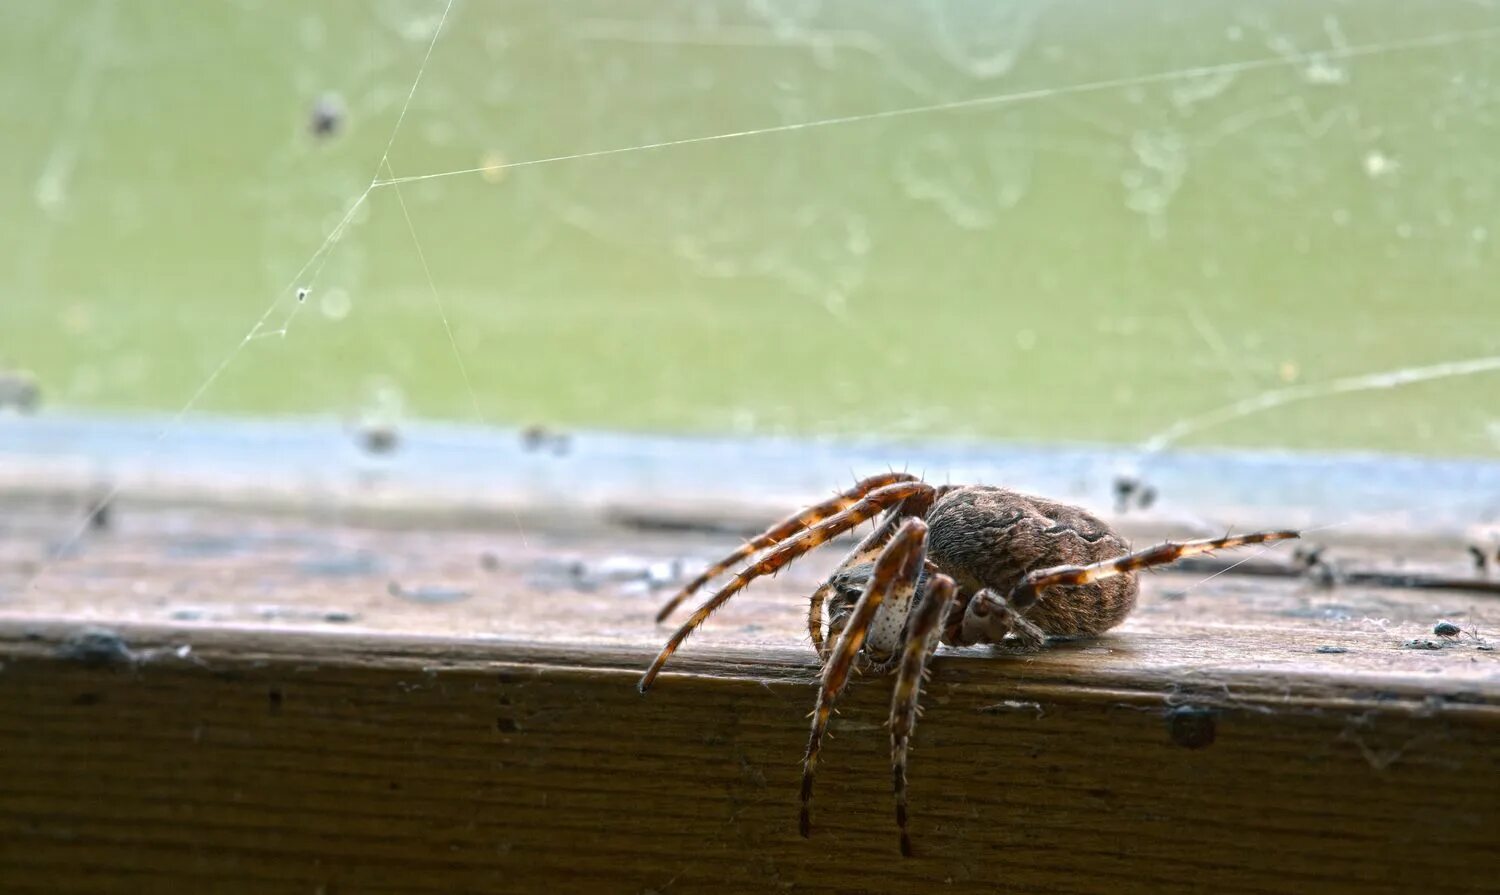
(777, 558)
(896, 570)
(815, 616)
(785, 529)
(922, 634)
(1030, 588)
(865, 552)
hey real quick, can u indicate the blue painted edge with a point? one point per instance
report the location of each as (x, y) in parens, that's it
(1242, 487)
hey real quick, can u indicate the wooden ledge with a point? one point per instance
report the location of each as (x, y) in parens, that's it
(215, 700)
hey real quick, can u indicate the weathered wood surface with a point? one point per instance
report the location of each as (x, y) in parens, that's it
(307, 705)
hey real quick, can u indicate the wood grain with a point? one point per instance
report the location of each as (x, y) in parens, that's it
(300, 705)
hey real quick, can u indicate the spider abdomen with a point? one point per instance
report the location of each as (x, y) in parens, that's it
(990, 537)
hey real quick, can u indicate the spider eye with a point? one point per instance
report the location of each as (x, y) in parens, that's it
(851, 582)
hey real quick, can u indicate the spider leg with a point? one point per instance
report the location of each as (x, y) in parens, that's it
(783, 554)
(922, 634)
(1030, 588)
(783, 530)
(866, 551)
(815, 616)
(897, 568)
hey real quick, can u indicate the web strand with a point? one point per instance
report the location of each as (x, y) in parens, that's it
(1449, 38)
(314, 263)
(437, 302)
(1268, 400)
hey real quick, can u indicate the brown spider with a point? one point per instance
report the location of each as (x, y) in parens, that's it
(953, 564)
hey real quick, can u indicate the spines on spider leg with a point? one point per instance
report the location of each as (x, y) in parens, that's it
(900, 561)
(1030, 588)
(922, 636)
(865, 551)
(783, 530)
(815, 615)
(780, 556)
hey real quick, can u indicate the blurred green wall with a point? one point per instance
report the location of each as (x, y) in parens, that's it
(1312, 196)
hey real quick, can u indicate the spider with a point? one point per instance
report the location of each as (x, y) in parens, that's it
(952, 564)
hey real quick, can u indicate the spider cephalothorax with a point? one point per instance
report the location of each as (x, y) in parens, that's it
(952, 564)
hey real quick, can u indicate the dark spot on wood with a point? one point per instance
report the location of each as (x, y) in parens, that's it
(1192, 727)
(97, 647)
(506, 725)
(87, 699)
(751, 773)
(273, 698)
(1422, 644)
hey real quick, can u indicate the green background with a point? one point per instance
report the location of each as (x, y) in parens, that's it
(1076, 264)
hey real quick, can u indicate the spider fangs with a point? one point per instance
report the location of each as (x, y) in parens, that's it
(953, 564)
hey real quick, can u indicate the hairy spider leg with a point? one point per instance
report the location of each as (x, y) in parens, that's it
(782, 555)
(783, 530)
(1030, 588)
(866, 551)
(923, 630)
(895, 576)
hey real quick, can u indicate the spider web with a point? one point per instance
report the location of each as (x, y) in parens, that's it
(727, 221)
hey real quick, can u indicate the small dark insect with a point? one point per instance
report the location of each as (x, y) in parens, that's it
(302, 294)
(1132, 492)
(1484, 546)
(1322, 573)
(19, 389)
(326, 117)
(953, 564)
(378, 438)
(538, 438)
(1447, 630)
(1308, 556)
